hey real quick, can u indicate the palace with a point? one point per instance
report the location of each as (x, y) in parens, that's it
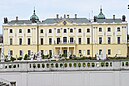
(65, 35)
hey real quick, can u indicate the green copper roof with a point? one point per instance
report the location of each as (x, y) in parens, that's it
(34, 16)
(101, 15)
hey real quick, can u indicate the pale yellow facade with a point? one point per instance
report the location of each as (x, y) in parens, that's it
(86, 39)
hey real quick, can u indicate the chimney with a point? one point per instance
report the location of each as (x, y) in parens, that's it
(67, 16)
(95, 18)
(113, 17)
(5, 20)
(57, 16)
(75, 16)
(123, 18)
(16, 18)
(64, 16)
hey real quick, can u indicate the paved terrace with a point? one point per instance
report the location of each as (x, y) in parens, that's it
(42, 66)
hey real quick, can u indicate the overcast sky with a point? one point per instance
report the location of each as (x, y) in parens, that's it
(49, 8)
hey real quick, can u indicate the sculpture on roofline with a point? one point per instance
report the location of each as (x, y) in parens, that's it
(39, 56)
(32, 56)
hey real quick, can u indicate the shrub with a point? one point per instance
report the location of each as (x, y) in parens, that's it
(26, 57)
(75, 65)
(70, 64)
(20, 58)
(88, 64)
(79, 64)
(13, 59)
(84, 64)
(102, 64)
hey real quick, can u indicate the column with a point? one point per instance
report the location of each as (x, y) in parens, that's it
(74, 51)
(67, 51)
(60, 50)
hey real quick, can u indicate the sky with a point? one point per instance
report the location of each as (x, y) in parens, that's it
(49, 8)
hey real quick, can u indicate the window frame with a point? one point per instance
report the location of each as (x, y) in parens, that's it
(118, 29)
(88, 52)
(28, 31)
(88, 30)
(100, 29)
(108, 29)
(20, 41)
(41, 31)
(100, 40)
(71, 30)
(28, 41)
(11, 41)
(80, 30)
(41, 41)
(20, 30)
(50, 30)
(109, 51)
(10, 30)
(65, 31)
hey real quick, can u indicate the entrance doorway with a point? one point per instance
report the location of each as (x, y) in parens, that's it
(65, 53)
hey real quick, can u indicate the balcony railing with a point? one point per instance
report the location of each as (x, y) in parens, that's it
(34, 66)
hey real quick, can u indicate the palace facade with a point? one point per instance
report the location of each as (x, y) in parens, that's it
(65, 35)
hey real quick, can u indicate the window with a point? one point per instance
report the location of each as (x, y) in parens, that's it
(88, 30)
(20, 41)
(11, 31)
(50, 52)
(65, 31)
(100, 29)
(50, 30)
(109, 51)
(71, 40)
(64, 39)
(42, 52)
(71, 30)
(20, 53)
(79, 40)
(118, 40)
(41, 41)
(100, 52)
(50, 41)
(58, 30)
(28, 41)
(79, 30)
(11, 52)
(88, 40)
(41, 31)
(109, 40)
(80, 51)
(20, 30)
(108, 29)
(11, 41)
(100, 40)
(88, 52)
(58, 40)
(28, 30)
(29, 52)
(118, 29)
